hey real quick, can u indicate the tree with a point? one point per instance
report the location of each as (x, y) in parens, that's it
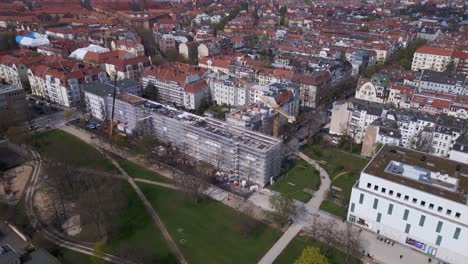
(405, 63)
(100, 250)
(283, 10)
(191, 185)
(369, 71)
(311, 255)
(151, 92)
(350, 241)
(67, 114)
(147, 146)
(284, 208)
(450, 67)
(120, 142)
(422, 141)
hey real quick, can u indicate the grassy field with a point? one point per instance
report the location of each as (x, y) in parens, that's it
(336, 162)
(136, 232)
(300, 176)
(137, 171)
(61, 146)
(209, 232)
(294, 250)
(72, 257)
(344, 170)
(335, 209)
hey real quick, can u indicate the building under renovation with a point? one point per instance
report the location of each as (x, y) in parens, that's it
(248, 154)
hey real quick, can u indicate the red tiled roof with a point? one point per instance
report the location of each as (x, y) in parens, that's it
(435, 51)
(195, 87)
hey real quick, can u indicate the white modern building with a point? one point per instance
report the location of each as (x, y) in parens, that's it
(415, 199)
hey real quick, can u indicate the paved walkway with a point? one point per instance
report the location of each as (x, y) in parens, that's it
(83, 135)
(259, 203)
(303, 218)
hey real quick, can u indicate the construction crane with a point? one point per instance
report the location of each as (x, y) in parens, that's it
(271, 103)
(112, 121)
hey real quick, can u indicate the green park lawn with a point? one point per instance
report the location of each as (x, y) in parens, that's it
(72, 257)
(292, 252)
(61, 146)
(209, 232)
(334, 209)
(344, 170)
(299, 177)
(136, 171)
(136, 232)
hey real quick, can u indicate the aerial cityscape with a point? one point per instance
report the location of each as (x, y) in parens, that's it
(233, 131)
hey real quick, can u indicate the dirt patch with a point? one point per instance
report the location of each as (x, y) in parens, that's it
(15, 181)
(340, 174)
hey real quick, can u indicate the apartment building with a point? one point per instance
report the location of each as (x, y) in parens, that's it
(251, 155)
(259, 116)
(62, 85)
(374, 90)
(442, 82)
(134, 48)
(98, 96)
(226, 90)
(14, 70)
(431, 58)
(13, 103)
(459, 151)
(132, 68)
(313, 87)
(178, 84)
(415, 199)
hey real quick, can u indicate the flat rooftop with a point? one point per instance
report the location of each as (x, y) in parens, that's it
(213, 126)
(438, 176)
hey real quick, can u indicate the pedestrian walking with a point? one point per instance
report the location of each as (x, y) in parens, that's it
(401, 256)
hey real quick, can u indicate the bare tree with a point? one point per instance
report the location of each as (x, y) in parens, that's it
(284, 208)
(422, 141)
(350, 241)
(316, 228)
(329, 234)
(191, 185)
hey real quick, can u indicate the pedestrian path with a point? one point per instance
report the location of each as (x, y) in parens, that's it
(302, 219)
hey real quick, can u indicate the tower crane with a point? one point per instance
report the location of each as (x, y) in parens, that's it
(271, 103)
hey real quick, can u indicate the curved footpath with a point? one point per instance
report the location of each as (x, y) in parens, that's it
(55, 237)
(302, 220)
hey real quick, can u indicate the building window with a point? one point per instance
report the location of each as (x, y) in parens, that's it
(406, 197)
(405, 214)
(439, 226)
(415, 200)
(352, 218)
(439, 209)
(439, 239)
(457, 233)
(390, 192)
(431, 206)
(449, 212)
(376, 187)
(423, 203)
(383, 190)
(422, 220)
(457, 215)
(352, 207)
(379, 216)
(369, 185)
(390, 209)
(361, 198)
(376, 203)
(398, 195)
(407, 228)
